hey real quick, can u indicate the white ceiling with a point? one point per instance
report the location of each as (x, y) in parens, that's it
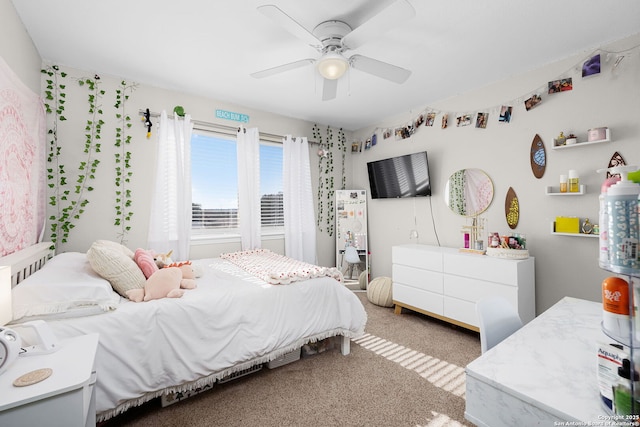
(210, 47)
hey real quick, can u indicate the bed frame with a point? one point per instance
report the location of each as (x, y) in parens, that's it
(27, 261)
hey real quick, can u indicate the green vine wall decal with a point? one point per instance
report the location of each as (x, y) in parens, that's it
(56, 175)
(342, 146)
(123, 162)
(326, 182)
(69, 200)
(330, 184)
(71, 181)
(318, 138)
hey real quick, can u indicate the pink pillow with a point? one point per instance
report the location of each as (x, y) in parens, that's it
(145, 261)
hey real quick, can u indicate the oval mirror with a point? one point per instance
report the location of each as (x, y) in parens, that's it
(469, 192)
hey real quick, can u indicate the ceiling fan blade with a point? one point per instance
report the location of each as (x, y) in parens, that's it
(379, 68)
(329, 89)
(391, 16)
(282, 68)
(290, 24)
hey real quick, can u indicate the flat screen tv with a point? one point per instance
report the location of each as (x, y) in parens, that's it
(401, 176)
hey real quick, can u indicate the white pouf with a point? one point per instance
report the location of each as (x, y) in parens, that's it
(362, 280)
(379, 292)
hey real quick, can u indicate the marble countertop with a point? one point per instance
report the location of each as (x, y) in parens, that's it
(548, 365)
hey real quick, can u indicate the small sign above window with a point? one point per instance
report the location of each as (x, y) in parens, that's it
(230, 115)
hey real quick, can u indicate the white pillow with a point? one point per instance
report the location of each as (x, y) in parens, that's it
(115, 263)
(66, 284)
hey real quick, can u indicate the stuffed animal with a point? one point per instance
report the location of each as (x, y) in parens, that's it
(162, 260)
(168, 282)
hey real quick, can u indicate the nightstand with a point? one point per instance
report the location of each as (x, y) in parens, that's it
(65, 399)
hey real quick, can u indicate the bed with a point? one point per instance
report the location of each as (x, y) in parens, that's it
(232, 321)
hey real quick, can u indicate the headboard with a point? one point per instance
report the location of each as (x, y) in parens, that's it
(27, 261)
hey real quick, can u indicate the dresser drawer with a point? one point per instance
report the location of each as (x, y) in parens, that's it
(424, 300)
(425, 257)
(483, 268)
(467, 289)
(462, 311)
(417, 278)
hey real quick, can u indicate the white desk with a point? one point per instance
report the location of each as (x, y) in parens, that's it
(66, 398)
(543, 373)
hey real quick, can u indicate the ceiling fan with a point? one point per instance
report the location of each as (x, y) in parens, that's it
(333, 38)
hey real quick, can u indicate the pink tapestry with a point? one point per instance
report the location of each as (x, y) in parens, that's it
(22, 163)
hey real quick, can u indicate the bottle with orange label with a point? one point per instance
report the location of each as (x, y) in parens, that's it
(615, 306)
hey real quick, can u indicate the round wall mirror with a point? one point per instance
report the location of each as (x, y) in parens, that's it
(469, 192)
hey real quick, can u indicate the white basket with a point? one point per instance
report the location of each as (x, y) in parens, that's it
(508, 253)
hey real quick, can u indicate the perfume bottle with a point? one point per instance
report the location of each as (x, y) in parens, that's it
(563, 183)
(574, 184)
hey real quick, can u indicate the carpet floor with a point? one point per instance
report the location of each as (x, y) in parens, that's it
(407, 370)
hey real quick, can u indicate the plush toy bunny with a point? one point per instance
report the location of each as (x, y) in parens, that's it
(167, 282)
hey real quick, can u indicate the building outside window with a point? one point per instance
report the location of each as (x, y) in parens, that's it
(214, 187)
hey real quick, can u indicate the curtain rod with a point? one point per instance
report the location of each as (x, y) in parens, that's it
(222, 129)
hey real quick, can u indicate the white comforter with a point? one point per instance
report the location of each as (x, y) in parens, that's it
(230, 322)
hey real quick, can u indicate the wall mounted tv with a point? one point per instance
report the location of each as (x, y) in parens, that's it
(401, 176)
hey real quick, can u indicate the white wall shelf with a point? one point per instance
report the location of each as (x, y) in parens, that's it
(583, 143)
(574, 234)
(555, 191)
(553, 227)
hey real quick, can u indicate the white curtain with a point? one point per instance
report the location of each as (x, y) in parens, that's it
(248, 143)
(170, 222)
(299, 217)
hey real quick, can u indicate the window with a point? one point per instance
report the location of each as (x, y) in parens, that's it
(214, 186)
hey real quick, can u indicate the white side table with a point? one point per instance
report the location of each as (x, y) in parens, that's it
(65, 399)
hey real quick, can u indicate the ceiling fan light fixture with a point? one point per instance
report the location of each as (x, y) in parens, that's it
(332, 66)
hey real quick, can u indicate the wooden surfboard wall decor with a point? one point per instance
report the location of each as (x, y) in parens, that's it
(538, 157)
(616, 160)
(512, 208)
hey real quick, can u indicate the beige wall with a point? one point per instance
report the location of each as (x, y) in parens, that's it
(564, 265)
(16, 47)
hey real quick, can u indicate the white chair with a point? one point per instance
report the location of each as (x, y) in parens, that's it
(497, 320)
(353, 260)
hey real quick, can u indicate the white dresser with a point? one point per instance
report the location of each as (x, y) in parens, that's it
(446, 283)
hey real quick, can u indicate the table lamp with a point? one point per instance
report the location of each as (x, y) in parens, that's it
(6, 312)
(9, 340)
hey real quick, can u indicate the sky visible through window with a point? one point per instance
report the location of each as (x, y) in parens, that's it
(214, 172)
